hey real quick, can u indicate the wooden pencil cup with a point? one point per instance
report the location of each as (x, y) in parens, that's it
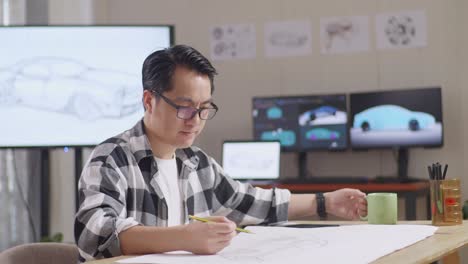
(446, 207)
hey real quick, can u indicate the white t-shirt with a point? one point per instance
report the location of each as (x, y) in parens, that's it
(169, 184)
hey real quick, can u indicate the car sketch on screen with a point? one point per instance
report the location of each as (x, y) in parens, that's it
(322, 134)
(323, 115)
(387, 125)
(68, 86)
(286, 137)
(392, 117)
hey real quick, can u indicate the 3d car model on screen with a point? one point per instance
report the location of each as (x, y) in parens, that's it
(323, 115)
(392, 117)
(286, 137)
(274, 113)
(68, 86)
(322, 134)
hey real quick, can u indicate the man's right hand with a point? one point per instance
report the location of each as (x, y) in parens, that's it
(211, 237)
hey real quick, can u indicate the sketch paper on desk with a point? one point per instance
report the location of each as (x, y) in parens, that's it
(353, 243)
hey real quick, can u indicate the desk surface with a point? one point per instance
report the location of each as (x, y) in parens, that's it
(446, 241)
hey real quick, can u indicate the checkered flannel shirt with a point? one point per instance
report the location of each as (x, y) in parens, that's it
(119, 188)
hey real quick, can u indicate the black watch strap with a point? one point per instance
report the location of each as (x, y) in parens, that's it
(321, 210)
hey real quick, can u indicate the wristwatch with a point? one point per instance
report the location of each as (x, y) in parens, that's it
(321, 210)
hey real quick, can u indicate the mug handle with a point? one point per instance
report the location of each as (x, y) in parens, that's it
(364, 218)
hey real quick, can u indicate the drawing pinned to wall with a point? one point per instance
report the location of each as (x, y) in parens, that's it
(288, 38)
(344, 34)
(406, 29)
(233, 42)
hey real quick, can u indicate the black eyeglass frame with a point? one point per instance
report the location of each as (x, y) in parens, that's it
(194, 110)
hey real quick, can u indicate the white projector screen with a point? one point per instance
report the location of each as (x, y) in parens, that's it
(72, 85)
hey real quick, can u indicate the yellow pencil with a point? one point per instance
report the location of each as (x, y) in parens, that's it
(209, 221)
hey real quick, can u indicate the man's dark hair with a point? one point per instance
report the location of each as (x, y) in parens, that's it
(159, 67)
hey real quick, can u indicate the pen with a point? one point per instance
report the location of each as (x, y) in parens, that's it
(209, 221)
(445, 171)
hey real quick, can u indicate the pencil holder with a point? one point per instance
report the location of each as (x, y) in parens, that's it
(446, 207)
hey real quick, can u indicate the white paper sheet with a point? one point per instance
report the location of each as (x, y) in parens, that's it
(288, 38)
(344, 244)
(406, 29)
(344, 34)
(231, 42)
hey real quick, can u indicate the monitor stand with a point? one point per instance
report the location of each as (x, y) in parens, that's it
(402, 167)
(78, 169)
(403, 156)
(302, 165)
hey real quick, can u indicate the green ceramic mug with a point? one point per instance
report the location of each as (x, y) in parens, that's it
(382, 208)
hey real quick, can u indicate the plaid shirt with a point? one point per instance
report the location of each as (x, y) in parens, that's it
(119, 188)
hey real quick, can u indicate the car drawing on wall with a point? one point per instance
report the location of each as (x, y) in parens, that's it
(319, 112)
(322, 134)
(69, 86)
(392, 117)
(286, 137)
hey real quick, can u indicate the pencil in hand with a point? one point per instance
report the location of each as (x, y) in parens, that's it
(209, 221)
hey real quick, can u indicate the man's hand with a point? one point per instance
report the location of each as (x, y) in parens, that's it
(346, 203)
(211, 237)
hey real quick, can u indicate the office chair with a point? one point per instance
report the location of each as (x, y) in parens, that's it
(40, 253)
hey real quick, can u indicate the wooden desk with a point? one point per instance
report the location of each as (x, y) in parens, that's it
(443, 245)
(409, 191)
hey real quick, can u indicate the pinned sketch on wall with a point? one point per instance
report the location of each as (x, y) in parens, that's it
(230, 42)
(288, 38)
(406, 29)
(344, 34)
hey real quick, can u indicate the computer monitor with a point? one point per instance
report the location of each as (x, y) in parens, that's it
(398, 118)
(252, 160)
(72, 85)
(302, 123)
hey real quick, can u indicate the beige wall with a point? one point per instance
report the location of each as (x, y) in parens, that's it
(437, 64)
(443, 62)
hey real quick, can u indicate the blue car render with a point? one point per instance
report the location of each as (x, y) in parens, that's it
(392, 117)
(318, 112)
(274, 113)
(322, 134)
(286, 137)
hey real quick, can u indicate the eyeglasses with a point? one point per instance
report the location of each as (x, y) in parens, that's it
(187, 112)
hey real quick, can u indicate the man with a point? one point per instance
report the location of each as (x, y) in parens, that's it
(138, 188)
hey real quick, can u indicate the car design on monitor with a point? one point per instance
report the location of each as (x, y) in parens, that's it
(322, 134)
(68, 86)
(286, 137)
(274, 113)
(322, 115)
(392, 117)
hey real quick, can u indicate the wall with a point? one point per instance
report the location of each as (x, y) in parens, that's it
(436, 64)
(442, 62)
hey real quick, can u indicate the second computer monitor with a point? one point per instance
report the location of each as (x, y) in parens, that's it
(302, 123)
(398, 118)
